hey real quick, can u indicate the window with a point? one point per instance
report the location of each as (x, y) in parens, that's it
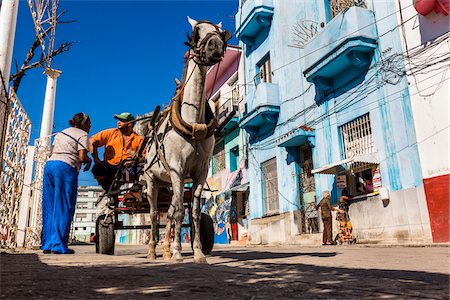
(357, 137)
(336, 6)
(264, 71)
(216, 101)
(270, 187)
(235, 95)
(357, 140)
(218, 163)
(82, 205)
(234, 158)
(80, 217)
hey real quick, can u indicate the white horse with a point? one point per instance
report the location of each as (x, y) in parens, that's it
(182, 146)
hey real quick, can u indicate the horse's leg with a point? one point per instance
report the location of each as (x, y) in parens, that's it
(166, 244)
(152, 195)
(197, 187)
(178, 215)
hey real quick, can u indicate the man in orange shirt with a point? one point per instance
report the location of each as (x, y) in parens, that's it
(120, 143)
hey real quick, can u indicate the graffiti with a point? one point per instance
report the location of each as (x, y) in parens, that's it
(219, 208)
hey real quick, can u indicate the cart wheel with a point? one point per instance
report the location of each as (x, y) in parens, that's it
(96, 235)
(206, 233)
(106, 236)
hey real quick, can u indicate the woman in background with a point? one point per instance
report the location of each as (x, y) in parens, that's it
(69, 152)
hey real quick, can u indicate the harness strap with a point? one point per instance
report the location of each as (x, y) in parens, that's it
(187, 130)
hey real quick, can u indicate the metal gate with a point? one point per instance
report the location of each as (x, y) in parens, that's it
(12, 171)
(310, 216)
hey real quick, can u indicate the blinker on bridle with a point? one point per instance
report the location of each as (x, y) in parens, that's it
(198, 49)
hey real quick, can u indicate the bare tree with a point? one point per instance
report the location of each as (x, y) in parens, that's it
(44, 58)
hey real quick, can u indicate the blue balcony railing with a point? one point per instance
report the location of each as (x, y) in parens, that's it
(342, 50)
(253, 18)
(262, 107)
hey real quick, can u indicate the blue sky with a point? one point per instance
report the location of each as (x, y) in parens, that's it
(125, 57)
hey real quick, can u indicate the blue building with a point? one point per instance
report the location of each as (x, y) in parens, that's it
(327, 107)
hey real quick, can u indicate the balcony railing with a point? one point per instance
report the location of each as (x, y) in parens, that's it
(336, 6)
(225, 109)
(342, 50)
(253, 19)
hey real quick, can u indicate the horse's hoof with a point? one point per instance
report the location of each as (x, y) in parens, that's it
(200, 260)
(151, 256)
(167, 256)
(176, 260)
(176, 257)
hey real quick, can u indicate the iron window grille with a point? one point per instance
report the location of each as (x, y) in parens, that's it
(357, 137)
(218, 158)
(336, 6)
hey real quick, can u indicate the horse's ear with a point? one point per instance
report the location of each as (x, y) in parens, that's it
(226, 35)
(192, 22)
(219, 25)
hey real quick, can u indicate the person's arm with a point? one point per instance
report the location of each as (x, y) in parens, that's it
(98, 140)
(85, 159)
(93, 148)
(332, 208)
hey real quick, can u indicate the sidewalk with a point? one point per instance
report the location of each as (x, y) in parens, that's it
(253, 272)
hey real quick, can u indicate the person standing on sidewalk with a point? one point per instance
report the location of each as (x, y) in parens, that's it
(59, 195)
(326, 209)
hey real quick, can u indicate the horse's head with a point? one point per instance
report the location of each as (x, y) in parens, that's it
(208, 42)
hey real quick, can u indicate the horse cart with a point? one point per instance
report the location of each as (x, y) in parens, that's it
(179, 149)
(126, 197)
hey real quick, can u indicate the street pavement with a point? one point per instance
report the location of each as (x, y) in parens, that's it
(252, 272)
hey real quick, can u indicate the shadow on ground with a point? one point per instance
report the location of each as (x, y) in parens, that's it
(25, 276)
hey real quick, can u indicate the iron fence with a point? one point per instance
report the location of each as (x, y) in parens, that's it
(12, 172)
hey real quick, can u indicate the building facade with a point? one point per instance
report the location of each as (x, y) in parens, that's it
(227, 201)
(328, 107)
(85, 213)
(426, 40)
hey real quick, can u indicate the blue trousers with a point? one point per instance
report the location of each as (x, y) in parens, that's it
(59, 197)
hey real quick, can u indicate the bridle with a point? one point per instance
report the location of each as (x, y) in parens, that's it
(198, 48)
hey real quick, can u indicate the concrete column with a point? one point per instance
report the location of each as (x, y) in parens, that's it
(8, 19)
(49, 102)
(25, 198)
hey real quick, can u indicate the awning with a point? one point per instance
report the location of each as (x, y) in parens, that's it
(240, 188)
(338, 166)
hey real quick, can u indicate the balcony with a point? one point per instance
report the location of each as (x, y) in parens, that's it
(224, 111)
(262, 108)
(254, 18)
(343, 50)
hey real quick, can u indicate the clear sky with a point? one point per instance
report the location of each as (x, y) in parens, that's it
(125, 57)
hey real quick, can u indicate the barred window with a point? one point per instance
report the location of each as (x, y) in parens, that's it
(218, 163)
(270, 188)
(336, 6)
(357, 137)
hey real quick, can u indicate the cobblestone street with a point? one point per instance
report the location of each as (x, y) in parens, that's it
(233, 272)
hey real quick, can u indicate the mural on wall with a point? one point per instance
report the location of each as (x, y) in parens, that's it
(219, 209)
(220, 204)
